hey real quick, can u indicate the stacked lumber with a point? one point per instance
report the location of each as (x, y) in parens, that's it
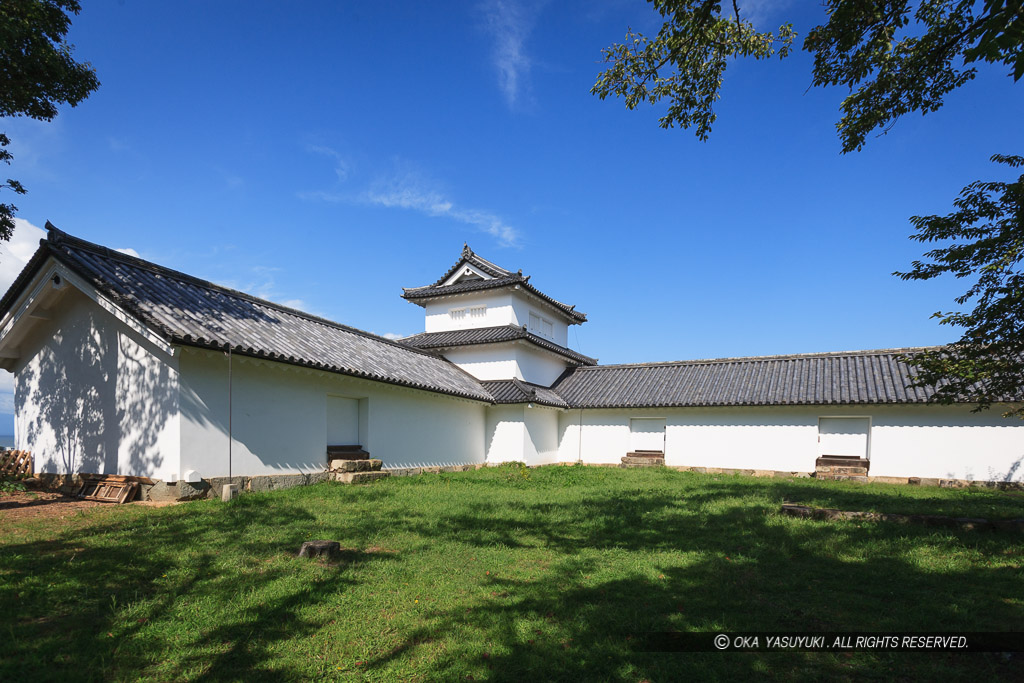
(16, 463)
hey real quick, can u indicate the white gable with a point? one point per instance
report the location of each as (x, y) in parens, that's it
(466, 273)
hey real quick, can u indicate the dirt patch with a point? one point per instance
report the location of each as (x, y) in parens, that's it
(15, 507)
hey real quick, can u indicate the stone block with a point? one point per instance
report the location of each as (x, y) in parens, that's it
(642, 461)
(350, 465)
(888, 480)
(229, 492)
(217, 485)
(261, 484)
(325, 549)
(405, 471)
(843, 477)
(361, 477)
(319, 477)
(167, 491)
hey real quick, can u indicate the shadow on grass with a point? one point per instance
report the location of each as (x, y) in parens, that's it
(721, 560)
(578, 573)
(101, 601)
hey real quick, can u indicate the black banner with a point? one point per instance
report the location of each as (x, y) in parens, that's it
(755, 641)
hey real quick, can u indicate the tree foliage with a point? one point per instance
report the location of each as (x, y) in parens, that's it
(694, 46)
(37, 73)
(894, 56)
(982, 239)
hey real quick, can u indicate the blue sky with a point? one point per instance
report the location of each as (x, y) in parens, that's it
(326, 154)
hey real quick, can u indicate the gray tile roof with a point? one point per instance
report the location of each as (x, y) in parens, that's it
(475, 260)
(491, 335)
(810, 379)
(189, 311)
(518, 391)
(500, 278)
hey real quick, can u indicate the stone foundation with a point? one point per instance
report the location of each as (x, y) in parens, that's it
(161, 490)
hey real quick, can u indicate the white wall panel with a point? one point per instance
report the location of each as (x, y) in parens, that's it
(499, 311)
(279, 421)
(92, 395)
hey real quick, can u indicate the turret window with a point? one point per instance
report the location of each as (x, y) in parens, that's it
(541, 326)
(474, 313)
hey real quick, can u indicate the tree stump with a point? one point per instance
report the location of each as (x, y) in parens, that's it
(325, 549)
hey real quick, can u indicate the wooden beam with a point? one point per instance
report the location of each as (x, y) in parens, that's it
(40, 315)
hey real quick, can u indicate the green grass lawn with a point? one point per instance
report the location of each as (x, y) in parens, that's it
(504, 574)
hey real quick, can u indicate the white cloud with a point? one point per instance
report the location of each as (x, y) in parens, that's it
(342, 166)
(410, 192)
(409, 189)
(129, 251)
(16, 253)
(758, 12)
(392, 335)
(509, 25)
(6, 393)
(13, 257)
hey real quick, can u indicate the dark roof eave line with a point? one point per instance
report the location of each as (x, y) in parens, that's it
(299, 362)
(431, 291)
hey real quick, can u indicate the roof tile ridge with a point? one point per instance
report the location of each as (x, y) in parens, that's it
(793, 356)
(541, 341)
(491, 264)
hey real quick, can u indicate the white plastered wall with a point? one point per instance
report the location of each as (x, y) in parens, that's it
(520, 433)
(905, 441)
(524, 304)
(538, 366)
(93, 395)
(487, 361)
(506, 433)
(509, 360)
(498, 311)
(279, 419)
(541, 442)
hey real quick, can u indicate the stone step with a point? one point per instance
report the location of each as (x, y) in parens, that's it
(824, 469)
(842, 477)
(370, 465)
(839, 461)
(346, 453)
(643, 461)
(360, 477)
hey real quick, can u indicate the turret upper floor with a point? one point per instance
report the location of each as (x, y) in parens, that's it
(475, 293)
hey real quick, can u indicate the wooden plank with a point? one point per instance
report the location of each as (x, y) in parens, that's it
(117, 477)
(107, 491)
(127, 493)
